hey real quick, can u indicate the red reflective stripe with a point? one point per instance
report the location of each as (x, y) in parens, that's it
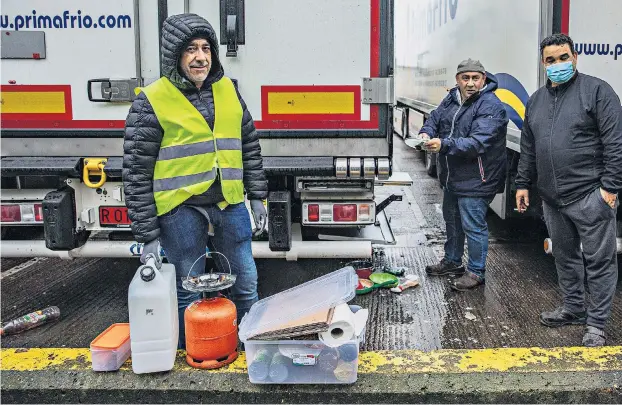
(565, 16)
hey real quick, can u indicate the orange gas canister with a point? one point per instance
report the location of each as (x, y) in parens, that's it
(211, 333)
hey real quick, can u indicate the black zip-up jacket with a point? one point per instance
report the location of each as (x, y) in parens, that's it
(143, 133)
(571, 140)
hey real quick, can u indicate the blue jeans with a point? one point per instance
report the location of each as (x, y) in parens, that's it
(184, 238)
(466, 216)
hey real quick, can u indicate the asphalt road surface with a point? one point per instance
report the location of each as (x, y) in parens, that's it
(521, 282)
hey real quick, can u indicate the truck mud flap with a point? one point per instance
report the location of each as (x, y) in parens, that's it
(59, 221)
(280, 224)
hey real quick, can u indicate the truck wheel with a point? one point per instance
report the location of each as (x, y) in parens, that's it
(430, 164)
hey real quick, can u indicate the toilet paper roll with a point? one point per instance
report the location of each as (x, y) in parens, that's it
(341, 328)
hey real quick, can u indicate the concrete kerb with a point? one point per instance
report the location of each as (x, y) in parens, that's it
(573, 374)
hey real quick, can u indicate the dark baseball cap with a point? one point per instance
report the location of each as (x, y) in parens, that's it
(471, 65)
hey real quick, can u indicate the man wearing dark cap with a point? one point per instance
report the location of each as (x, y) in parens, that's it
(191, 153)
(468, 131)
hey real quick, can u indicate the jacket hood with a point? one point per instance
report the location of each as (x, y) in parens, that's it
(177, 31)
(491, 85)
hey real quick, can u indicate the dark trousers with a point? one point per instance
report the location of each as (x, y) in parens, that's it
(589, 222)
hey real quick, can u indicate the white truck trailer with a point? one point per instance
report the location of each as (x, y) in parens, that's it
(433, 36)
(315, 74)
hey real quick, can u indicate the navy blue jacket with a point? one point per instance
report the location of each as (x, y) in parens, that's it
(472, 159)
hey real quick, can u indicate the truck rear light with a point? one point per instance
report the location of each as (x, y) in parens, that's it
(11, 213)
(313, 212)
(344, 213)
(364, 212)
(38, 212)
(22, 213)
(28, 213)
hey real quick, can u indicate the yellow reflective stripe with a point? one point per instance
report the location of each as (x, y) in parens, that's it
(180, 151)
(174, 183)
(33, 102)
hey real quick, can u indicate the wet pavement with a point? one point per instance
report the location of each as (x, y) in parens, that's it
(521, 282)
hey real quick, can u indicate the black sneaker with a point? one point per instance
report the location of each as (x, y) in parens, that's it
(444, 268)
(561, 317)
(467, 281)
(594, 337)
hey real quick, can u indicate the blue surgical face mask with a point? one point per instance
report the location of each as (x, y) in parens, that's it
(560, 72)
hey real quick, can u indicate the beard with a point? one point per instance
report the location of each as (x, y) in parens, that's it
(195, 77)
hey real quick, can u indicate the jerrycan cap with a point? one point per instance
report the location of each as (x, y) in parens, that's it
(147, 273)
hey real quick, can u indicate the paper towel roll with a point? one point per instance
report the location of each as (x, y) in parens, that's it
(341, 328)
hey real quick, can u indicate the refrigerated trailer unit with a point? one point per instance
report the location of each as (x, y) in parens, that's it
(316, 76)
(433, 36)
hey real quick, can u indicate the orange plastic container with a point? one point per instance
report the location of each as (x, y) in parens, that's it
(211, 333)
(111, 348)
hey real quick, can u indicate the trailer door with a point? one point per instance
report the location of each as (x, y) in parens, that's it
(300, 67)
(596, 30)
(50, 52)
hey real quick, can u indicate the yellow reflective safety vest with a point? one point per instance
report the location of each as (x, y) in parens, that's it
(191, 154)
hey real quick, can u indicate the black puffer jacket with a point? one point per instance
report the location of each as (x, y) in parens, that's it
(143, 133)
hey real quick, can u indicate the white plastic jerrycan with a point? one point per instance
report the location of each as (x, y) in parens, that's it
(154, 327)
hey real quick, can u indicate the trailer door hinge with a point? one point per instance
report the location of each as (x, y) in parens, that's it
(378, 90)
(114, 90)
(232, 25)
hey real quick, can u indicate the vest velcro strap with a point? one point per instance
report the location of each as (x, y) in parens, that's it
(232, 174)
(229, 143)
(174, 183)
(181, 151)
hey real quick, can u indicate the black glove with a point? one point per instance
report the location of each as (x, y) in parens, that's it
(152, 249)
(260, 215)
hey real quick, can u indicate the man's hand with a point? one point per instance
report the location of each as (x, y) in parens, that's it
(259, 215)
(151, 249)
(433, 145)
(609, 198)
(522, 200)
(424, 136)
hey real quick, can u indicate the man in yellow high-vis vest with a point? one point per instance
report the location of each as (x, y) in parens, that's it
(191, 151)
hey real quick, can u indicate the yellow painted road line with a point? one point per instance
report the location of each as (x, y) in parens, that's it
(41, 359)
(524, 360)
(33, 102)
(311, 102)
(493, 360)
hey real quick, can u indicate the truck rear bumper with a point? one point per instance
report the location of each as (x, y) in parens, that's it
(71, 166)
(131, 249)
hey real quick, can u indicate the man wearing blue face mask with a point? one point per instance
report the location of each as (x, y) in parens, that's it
(572, 143)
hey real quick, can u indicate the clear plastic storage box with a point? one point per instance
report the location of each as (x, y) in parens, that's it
(111, 348)
(289, 361)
